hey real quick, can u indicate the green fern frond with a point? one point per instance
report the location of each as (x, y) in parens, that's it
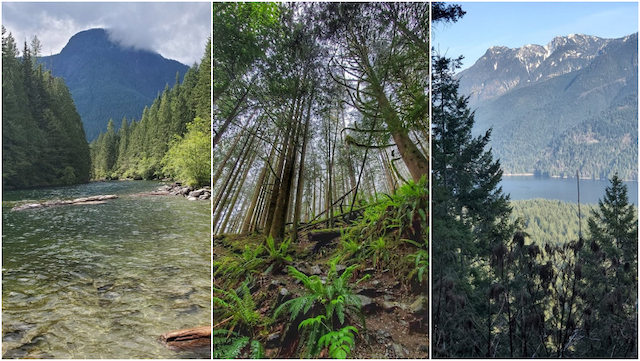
(257, 351)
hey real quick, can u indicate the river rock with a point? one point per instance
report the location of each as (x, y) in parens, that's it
(192, 198)
(196, 193)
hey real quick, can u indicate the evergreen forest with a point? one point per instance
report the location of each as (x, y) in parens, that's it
(43, 142)
(512, 279)
(320, 195)
(172, 139)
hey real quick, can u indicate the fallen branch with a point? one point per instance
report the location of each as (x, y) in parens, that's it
(223, 322)
(187, 339)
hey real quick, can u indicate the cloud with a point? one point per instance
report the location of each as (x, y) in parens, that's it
(175, 30)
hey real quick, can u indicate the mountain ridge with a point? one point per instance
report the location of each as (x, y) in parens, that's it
(110, 81)
(573, 110)
(529, 63)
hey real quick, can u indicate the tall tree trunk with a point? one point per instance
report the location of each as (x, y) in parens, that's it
(223, 193)
(415, 161)
(284, 190)
(237, 191)
(299, 188)
(256, 193)
(275, 189)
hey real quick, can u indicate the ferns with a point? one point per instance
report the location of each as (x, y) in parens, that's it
(277, 255)
(338, 301)
(230, 345)
(339, 342)
(238, 305)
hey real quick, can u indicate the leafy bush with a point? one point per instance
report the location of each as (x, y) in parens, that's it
(189, 157)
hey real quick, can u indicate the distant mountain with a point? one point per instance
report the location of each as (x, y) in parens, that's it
(570, 105)
(108, 81)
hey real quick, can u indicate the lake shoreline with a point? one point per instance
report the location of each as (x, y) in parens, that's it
(559, 177)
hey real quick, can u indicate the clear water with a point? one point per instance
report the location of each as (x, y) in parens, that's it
(103, 280)
(529, 187)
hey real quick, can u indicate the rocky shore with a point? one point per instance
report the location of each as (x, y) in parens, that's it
(178, 189)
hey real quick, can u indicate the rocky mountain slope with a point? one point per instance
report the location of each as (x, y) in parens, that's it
(556, 109)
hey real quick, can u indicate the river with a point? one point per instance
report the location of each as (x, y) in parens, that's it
(103, 280)
(530, 187)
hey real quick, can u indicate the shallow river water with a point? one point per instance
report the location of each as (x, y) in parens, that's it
(103, 280)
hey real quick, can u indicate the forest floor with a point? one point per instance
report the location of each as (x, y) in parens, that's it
(394, 304)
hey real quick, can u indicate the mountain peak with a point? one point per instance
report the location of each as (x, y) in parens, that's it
(108, 80)
(88, 39)
(502, 69)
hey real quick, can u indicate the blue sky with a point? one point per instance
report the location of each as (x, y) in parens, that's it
(516, 24)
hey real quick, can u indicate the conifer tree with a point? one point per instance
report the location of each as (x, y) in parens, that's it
(470, 224)
(610, 312)
(43, 141)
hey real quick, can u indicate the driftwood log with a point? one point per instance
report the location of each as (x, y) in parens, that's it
(84, 200)
(187, 339)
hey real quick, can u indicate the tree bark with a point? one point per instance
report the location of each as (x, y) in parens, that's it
(415, 161)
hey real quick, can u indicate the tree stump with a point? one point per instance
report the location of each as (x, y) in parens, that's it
(187, 339)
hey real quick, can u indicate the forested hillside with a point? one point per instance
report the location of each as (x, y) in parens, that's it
(171, 139)
(551, 222)
(571, 105)
(320, 170)
(43, 141)
(107, 80)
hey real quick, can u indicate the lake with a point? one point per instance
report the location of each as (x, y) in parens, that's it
(103, 280)
(564, 189)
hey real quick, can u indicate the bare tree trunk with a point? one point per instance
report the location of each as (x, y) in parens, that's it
(299, 188)
(282, 204)
(238, 190)
(275, 189)
(223, 194)
(259, 185)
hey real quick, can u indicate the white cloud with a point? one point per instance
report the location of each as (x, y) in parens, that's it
(175, 30)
